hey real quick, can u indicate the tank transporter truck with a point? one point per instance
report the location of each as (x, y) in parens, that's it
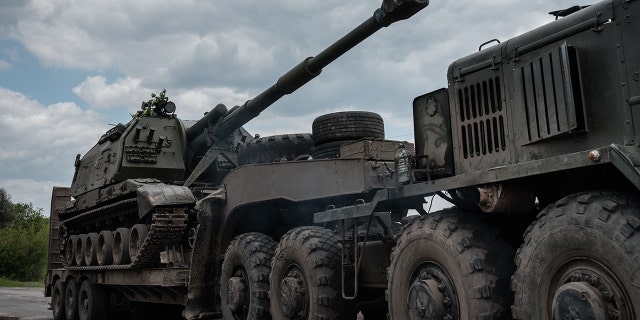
(535, 143)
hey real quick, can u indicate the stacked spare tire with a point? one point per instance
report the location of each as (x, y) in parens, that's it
(329, 132)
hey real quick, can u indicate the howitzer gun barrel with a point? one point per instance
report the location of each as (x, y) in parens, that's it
(390, 12)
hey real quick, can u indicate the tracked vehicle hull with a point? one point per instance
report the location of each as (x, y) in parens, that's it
(131, 230)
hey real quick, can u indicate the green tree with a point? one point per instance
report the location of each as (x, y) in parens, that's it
(24, 240)
(6, 208)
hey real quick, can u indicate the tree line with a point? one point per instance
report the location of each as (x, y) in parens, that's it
(24, 240)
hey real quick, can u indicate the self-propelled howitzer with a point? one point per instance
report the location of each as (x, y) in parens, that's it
(133, 192)
(390, 12)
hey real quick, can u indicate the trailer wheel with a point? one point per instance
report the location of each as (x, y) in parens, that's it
(450, 265)
(244, 283)
(581, 257)
(274, 148)
(120, 248)
(347, 125)
(306, 276)
(57, 300)
(71, 300)
(104, 253)
(92, 302)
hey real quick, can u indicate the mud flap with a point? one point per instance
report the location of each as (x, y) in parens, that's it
(203, 300)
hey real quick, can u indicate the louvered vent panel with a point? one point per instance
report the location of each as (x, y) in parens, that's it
(481, 118)
(549, 88)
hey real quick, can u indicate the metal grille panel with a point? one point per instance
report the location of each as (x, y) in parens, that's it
(480, 115)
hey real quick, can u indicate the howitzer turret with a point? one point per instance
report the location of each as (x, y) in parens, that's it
(390, 12)
(139, 178)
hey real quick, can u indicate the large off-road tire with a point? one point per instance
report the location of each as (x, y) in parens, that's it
(450, 265)
(347, 125)
(71, 300)
(285, 147)
(57, 300)
(92, 302)
(244, 283)
(306, 277)
(582, 257)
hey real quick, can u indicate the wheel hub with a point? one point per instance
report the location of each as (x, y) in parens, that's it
(579, 300)
(425, 301)
(236, 294)
(292, 294)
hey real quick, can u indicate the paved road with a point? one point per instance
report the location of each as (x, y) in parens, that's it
(24, 304)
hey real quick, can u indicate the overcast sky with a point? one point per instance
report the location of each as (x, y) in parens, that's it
(69, 69)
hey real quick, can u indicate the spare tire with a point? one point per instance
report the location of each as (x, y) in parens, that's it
(284, 147)
(329, 150)
(347, 125)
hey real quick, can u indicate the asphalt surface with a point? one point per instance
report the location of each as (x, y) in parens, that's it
(24, 304)
(30, 304)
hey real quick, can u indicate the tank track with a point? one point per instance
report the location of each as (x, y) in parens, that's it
(114, 210)
(166, 230)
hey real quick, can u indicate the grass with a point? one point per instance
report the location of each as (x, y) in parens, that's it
(12, 283)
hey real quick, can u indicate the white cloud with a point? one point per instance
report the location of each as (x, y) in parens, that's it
(98, 94)
(40, 143)
(4, 65)
(36, 192)
(206, 52)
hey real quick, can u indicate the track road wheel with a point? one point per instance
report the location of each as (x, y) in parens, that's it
(71, 300)
(581, 258)
(120, 250)
(90, 248)
(244, 284)
(136, 240)
(104, 253)
(306, 277)
(92, 302)
(450, 265)
(70, 254)
(57, 300)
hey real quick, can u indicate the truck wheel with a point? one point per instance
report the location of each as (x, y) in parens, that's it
(274, 148)
(120, 248)
(92, 303)
(136, 239)
(57, 300)
(450, 265)
(244, 283)
(581, 257)
(104, 253)
(71, 300)
(306, 276)
(90, 248)
(348, 125)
